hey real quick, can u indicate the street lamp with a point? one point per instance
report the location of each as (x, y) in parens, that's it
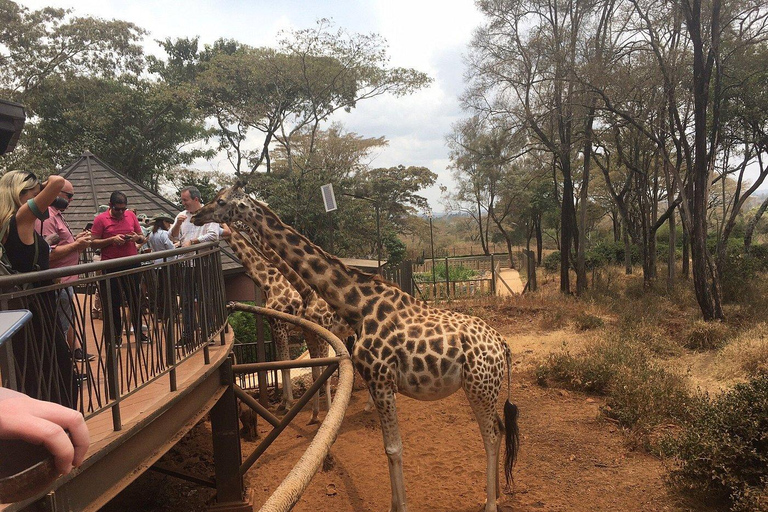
(378, 226)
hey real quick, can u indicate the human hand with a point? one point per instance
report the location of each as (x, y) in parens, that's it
(61, 430)
(83, 242)
(186, 243)
(181, 218)
(118, 239)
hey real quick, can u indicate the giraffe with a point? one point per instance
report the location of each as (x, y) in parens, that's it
(280, 296)
(316, 309)
(402, 345)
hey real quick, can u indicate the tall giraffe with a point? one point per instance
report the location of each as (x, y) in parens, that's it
(316, 309)
(423, 352)
(280, 296)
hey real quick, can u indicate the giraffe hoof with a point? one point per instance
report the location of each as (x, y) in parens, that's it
(313, 421)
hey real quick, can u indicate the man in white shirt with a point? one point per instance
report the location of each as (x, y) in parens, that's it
(188, 234)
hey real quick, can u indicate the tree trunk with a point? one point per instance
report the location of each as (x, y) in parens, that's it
(671, 253)
(752, 223)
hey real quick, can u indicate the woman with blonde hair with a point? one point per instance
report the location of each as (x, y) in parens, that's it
(41, 351)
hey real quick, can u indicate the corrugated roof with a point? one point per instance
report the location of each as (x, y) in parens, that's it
(94, 181)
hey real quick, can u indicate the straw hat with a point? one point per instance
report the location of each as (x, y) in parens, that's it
(162, 216)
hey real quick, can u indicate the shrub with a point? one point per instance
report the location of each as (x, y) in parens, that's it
(706, 335)
(722, 452)
(586, 322)
(244, 326)
(640, 394)
(455, 273)
(552, 262)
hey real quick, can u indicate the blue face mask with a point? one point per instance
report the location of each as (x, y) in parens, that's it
(60, 203)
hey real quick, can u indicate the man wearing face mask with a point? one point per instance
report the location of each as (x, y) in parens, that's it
(65, 252)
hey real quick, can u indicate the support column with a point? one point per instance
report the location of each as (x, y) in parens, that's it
(227, 455)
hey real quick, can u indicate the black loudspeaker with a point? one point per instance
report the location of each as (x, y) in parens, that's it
(12, 119)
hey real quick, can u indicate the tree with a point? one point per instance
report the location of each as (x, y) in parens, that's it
(38, 45)
(143, 128)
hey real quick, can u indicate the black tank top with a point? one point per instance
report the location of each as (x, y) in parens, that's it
(22, 256)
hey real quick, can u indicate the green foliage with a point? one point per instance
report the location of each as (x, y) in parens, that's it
(244, 326)
(455, 273)
(139, 127)
(722, 451)
(610, 253)
(552, 262)
(739, 269)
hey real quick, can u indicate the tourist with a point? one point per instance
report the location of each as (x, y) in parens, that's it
(187, 234)
(65, 252)
(116, 232)
(23, 201)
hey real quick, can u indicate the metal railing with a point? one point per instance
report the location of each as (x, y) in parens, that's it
(152, 317)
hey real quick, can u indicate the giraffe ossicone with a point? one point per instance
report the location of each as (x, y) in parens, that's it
(402, 345)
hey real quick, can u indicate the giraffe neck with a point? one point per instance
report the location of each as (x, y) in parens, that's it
(257, 267)
(351, 292)
(307, 293)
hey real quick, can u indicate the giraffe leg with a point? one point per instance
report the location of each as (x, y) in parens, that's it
(318, 348)
(280, 338)
(384, 398)
(490, 429)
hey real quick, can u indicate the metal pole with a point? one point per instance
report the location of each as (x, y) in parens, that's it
(378, 239)
(432, 246)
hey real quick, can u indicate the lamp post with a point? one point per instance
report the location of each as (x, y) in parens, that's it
(432, 248)
(378, 226)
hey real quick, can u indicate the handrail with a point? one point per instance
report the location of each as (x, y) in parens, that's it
(97, 266)
(292, 487)
(171, 310)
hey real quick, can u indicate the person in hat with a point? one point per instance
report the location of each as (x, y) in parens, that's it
(159, 239)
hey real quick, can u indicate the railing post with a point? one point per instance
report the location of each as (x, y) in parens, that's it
(170, 325)
(108, 331)
(447, 280)
(227, 454)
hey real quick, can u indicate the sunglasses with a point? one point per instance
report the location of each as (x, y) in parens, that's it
(116, 209)
(69, 195)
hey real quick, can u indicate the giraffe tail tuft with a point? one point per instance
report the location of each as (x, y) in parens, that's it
(512, 439)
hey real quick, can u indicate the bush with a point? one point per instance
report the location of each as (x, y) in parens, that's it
(455, 273)
(552, 262)
(244, 326)
(722, 452)
(586, 322)
(640, 394)
(706, 335)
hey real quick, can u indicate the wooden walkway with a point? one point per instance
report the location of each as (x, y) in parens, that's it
(153, 420)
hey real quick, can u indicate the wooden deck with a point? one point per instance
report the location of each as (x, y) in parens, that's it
(153, 420)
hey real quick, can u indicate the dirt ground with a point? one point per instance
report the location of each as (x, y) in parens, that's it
(570, 458)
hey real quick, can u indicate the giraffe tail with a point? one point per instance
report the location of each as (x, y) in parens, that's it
(511, 431)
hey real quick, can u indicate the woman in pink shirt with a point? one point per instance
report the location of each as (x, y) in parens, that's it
(116, 232)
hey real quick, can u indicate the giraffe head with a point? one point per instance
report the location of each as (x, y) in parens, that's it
(229, 205)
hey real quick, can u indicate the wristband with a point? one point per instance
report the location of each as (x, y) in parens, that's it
(36, 211)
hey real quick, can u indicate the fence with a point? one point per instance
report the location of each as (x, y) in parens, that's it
(151, 317)
(428, 285)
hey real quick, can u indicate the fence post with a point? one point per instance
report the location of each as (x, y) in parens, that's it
(406, 276)
(493, 276)
(108, 331)
(447, 280)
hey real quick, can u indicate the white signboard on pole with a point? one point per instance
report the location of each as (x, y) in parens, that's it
(329, 199)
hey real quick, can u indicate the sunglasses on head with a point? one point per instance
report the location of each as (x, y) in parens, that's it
(30, 177)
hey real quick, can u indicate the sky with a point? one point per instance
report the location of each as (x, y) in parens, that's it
(431, 36)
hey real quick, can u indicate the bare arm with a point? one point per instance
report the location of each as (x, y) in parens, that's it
(25, 219)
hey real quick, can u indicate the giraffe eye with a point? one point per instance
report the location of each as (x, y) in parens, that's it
(221, 202)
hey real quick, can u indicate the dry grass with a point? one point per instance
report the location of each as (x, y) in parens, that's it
(746, 354)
